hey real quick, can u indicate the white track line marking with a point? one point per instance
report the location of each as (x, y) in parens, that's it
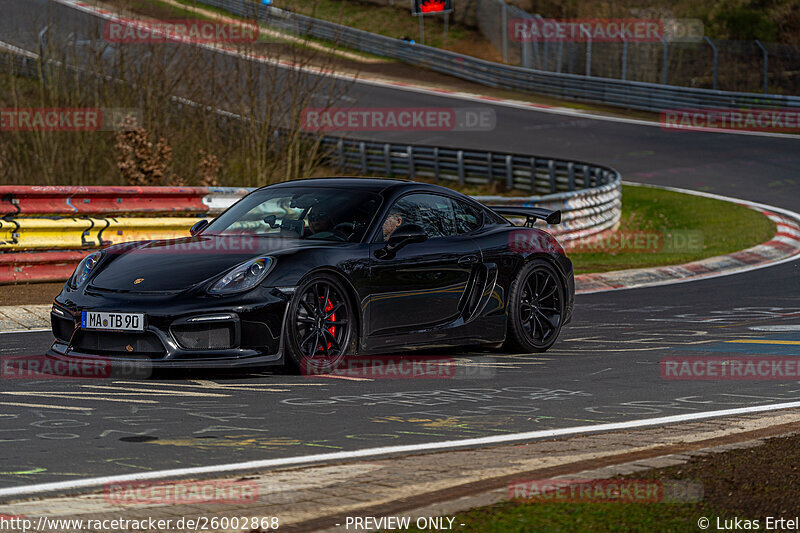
(132, 391)
(43, 406)
(79, 396)
(334, 376)
(777, 328)
(374, 452)
(215, 385)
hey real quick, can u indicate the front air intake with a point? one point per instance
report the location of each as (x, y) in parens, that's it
(218, 336)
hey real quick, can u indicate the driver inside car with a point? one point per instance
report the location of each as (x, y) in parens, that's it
(319, 221)
(392, 222)
(321, 225)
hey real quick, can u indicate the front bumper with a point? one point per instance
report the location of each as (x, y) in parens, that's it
(180, 331)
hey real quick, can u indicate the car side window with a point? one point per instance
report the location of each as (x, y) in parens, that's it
(432, 212)
(468, 217)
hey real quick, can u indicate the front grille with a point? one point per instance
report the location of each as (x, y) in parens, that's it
(217, 336)
(115, 343)
(62, 327)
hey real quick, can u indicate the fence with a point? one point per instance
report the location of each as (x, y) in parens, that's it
(603, 90)
(704, 63)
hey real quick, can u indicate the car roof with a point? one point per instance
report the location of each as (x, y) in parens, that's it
(385, 186)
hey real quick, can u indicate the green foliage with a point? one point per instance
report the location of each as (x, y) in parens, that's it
(746, 23)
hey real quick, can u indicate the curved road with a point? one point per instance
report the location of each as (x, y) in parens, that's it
(604, 369)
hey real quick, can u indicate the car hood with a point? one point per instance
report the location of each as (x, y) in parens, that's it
(180, 264)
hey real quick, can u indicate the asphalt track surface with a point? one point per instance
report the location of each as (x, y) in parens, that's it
(605, 368)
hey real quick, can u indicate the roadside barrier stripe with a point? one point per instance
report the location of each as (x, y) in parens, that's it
(71, 233)
(54, 200)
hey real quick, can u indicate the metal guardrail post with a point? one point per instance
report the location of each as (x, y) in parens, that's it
(525, 59)
(504, 29)
(624, 57)
(43, 52)
(509, 172)
(588, 56)
(387, 158)
(363, 149)
(765, 54)
(340, 152)
(571, 176)
(716, 59)
(410, 154)
(533, 175)
(460, 159)
(560, 51)
(585, 174)
(551, 166)
(436, 164)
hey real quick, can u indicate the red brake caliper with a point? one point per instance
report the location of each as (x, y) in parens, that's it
(332, 329)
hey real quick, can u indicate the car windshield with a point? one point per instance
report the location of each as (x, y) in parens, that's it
(326, 214)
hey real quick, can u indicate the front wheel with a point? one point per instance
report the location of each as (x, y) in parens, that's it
(320, 326)
(535, 308)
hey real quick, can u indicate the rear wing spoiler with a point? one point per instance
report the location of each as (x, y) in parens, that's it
(531, 214)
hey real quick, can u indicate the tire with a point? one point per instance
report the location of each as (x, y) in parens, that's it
(320, 326)
(535, 308)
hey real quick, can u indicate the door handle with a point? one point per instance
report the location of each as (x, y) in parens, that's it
(468, 260)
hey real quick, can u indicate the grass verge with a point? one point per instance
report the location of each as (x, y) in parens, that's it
(750, 484)
(661, 228)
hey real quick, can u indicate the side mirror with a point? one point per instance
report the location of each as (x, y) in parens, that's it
(199, 226)
(405, 234)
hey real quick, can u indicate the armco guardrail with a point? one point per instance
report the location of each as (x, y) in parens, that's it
(614, 92)
(47, 247)
(54, 200)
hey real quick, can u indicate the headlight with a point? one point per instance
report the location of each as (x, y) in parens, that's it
(243, 277)
(85, 267)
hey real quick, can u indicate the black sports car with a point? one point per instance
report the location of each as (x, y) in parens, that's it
(320, 269)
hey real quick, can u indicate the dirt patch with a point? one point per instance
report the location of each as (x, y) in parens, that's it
(750, 483)
(29, 293)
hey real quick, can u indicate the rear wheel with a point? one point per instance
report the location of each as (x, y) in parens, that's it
(320, 325)
(535, 308)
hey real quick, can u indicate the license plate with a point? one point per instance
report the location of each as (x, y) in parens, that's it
(118, 321)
